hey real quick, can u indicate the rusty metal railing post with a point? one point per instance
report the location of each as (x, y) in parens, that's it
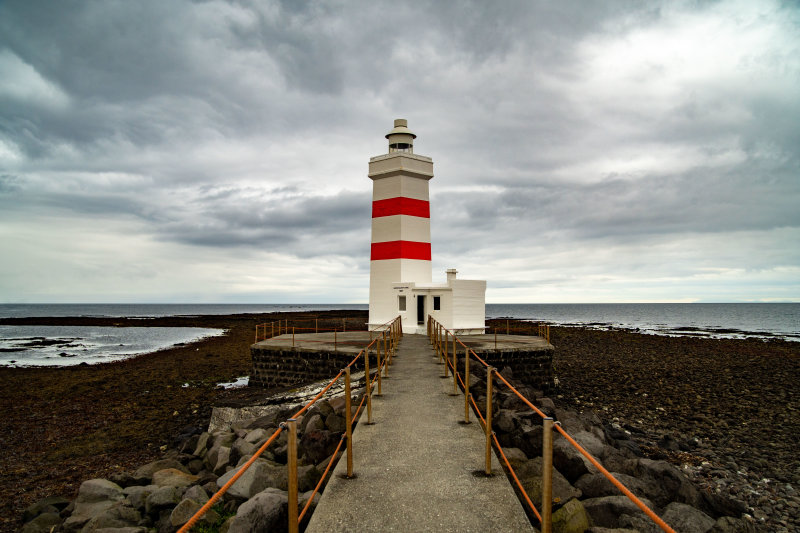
(489, 387)
(369, 385)
(455, 367)
(507, 329)
(348, 421)
(547, 474)
(444, 352)
(273, 330)
(378, 351)
(335, 341)
(344, 325)
(316, 325)
(466, 385)
(292, 336)
(387, 357)
(291, 466)
(495, 336)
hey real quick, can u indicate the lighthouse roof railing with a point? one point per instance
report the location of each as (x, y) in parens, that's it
(409, 155)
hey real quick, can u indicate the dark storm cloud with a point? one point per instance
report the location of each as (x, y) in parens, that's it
(234, 126)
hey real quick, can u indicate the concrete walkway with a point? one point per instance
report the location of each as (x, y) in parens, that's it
(415, 464)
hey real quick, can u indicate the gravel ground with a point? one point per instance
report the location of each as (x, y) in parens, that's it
(727, 411)
(62, 426)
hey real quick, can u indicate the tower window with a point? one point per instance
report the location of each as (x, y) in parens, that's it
(436, 303)
(401, 303)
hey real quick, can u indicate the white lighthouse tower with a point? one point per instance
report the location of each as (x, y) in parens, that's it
(400, 256)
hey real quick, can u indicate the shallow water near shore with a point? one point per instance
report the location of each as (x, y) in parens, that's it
(73, 345)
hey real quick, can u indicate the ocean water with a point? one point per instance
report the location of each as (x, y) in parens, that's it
(72, 345)
(55, 345)
(726, 320)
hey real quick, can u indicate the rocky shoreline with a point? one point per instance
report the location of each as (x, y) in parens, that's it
(722, 413)
(725, 411)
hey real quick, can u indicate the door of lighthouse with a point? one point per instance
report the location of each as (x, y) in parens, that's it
(420, 310)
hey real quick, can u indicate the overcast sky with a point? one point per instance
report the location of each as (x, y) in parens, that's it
(217, 151)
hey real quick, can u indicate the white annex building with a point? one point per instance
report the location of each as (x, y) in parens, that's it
(400, 259)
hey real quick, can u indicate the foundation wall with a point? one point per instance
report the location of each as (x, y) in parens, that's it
(289, 367)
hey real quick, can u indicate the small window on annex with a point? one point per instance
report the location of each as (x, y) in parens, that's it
(437, 303)
(401, 303)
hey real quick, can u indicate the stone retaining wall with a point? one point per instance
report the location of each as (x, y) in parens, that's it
(532, 367)
(285, 367)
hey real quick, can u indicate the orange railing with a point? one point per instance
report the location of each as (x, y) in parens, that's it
(385, 345)
(442, 339)
(267, 330)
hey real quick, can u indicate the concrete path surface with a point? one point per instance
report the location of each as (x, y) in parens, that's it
(415, 464)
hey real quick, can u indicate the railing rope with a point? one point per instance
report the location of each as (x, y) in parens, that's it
(549, 426)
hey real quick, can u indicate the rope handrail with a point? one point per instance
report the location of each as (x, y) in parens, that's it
(469, 352)
(392, 327)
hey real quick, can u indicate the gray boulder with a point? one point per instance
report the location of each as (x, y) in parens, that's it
(597, 485)
(117, 516)
(223, 458)
(316, 445)
(266, 511)
(570, 518)
(51, 504)
(171, 477)
(95, 496)
(261, 475)
(42, 523)
(606, 511)
(137, 495)
(729, 524)
(160, 499)
(335, 423)
(186, 509)
(147, 471)
(530, 475)
(129, 529)
(196, 493)
(569, 461)
(202, 444)
(686, 519)
(664, 483)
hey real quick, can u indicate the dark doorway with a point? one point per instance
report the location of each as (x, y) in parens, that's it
(420, 310)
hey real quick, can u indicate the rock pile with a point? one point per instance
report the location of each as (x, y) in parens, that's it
(583, 499)
(164, 495)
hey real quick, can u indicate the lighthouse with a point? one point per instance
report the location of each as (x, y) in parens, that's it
(400, 255)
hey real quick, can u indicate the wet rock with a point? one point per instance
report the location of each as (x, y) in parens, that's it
(335, 423)
(664, 483)
(530, 475)
(42, 523)
(728, 524)
(95, 496)
(598, 485)
(173, 478)
(261, 475)
(137, 495)
(196, 493)
(117, 516)
(569, 461)
(51, 504)
(606, 511)
(146, 472)
(570, 518)
(161, 498)
(186, 509)
(686, 519)
(316, 445)
(265, 511)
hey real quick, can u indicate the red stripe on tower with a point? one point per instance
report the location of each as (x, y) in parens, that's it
(401, 205)
(401, 250)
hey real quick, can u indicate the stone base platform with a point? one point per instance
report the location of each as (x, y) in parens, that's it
(288, 360)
